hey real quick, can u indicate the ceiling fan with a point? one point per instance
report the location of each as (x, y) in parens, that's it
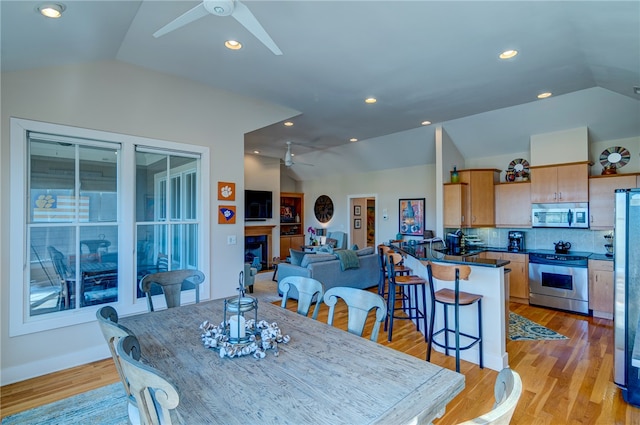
(232, 8)
(288, 158)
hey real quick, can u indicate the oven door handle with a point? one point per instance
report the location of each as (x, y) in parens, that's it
(570, 217)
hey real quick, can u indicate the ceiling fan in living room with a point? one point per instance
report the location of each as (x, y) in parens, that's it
(233, 8)
(288, 158)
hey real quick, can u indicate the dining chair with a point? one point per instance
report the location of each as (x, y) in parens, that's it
(308, 289)
(66, 281)
(108, 321)
(172, 282)
(507, 391)
(156, 397)
(359, 303)
(455, 298)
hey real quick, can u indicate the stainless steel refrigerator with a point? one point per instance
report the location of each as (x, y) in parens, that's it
(627, 292)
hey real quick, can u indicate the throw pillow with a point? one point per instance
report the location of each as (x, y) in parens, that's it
(355, 247)
(326, 249)
(296, 256)
(316, 258)
(331, 242)
(365, 251)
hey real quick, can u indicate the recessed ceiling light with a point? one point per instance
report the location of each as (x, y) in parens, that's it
(256, 152)
(288, 124)
(353, 139)
(425, 122)
(51, 10)
(233, 45)
(508, 54)
(370, 100)
(544, 95)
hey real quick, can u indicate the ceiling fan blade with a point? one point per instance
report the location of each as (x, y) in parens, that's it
(186, 18)
(243, 15)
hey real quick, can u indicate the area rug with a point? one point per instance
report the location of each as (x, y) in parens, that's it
(523, 329)
(102, 406)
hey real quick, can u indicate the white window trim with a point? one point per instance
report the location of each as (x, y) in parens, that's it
(20, 323)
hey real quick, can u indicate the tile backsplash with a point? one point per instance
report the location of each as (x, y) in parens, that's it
(580, 239)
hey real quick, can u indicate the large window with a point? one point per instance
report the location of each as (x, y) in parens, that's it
(75, 220)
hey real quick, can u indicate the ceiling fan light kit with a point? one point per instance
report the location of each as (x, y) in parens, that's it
(233, 8)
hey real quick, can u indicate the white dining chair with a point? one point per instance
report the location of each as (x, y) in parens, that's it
(359, 303)
(308, 289)
(156, 397)
(507, 390)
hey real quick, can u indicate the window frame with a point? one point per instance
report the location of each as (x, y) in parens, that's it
(20, 322)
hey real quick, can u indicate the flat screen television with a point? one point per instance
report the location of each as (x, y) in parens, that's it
(258, 204)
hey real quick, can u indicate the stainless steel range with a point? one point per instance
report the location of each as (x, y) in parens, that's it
(559, 281)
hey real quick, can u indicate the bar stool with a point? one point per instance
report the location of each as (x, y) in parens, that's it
(401, 269)
(454, 298)
(410, 305)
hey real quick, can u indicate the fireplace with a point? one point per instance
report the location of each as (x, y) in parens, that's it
(257, 244)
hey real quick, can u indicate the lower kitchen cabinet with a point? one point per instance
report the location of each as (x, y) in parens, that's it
(519, 276)
(601, 288)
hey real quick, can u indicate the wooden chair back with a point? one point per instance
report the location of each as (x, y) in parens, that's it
(155, 395)
(507, 390)
(308, 288)
(172, 283)
(359, 303)
(108, 321)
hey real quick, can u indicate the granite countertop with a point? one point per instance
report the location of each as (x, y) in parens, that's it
(425, 252)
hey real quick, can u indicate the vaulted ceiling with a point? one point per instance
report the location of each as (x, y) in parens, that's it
(422, 60)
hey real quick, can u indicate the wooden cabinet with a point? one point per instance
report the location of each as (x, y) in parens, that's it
(601, 198)
(560, 183)
(455, 204)
(601, 288)
(519, 276)
(471, 202)
(291, 222)
(513, 204)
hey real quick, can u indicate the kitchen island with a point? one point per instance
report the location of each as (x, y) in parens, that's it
(487, 279)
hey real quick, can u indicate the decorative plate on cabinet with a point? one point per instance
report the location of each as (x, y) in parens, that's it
(615, 157)
(519, 165)
(323, 208)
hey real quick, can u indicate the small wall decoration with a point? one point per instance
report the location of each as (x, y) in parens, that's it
(287, 214)
(411, 214)
(226, 191)
(227, 214)
(356, 210)
(357, 223)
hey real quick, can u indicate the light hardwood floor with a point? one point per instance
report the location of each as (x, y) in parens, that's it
(565, 382)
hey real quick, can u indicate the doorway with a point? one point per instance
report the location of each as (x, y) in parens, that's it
(362, 220)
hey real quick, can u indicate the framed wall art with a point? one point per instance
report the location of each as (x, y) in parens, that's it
(411, 214)
(357, 223)
(227, 214)
(356, 210)
(226, 191)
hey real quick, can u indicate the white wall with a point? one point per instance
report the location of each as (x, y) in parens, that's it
(388, 186)
(121, 98)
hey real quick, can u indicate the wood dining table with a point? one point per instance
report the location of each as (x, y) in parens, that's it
(324, 375)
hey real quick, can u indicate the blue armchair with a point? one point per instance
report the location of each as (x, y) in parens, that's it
(341, 237)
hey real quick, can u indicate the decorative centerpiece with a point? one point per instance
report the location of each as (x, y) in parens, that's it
(237, 336)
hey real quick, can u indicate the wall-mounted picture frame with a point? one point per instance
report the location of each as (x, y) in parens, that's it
(411, 214)
(287, 214)
(226, 191)
(356, 210)
(227, 214)
(357, 223)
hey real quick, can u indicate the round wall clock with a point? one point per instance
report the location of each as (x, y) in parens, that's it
(615, 157)
(323, 208)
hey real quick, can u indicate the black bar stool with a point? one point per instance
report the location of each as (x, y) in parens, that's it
(454, 298)
(410, 305)
(400, 268)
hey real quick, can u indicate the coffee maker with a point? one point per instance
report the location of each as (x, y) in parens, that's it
(516, 241)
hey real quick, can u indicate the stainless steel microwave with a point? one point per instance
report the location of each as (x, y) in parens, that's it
(566, 215)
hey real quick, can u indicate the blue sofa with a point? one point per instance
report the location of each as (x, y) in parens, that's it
(327, 269)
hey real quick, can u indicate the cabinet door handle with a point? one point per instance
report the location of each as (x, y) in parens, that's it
(560, 196)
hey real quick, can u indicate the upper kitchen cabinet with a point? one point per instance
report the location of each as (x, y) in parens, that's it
(455, 204)
(601, 197)
(476, 207)
(513, 204)
(560, 183)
